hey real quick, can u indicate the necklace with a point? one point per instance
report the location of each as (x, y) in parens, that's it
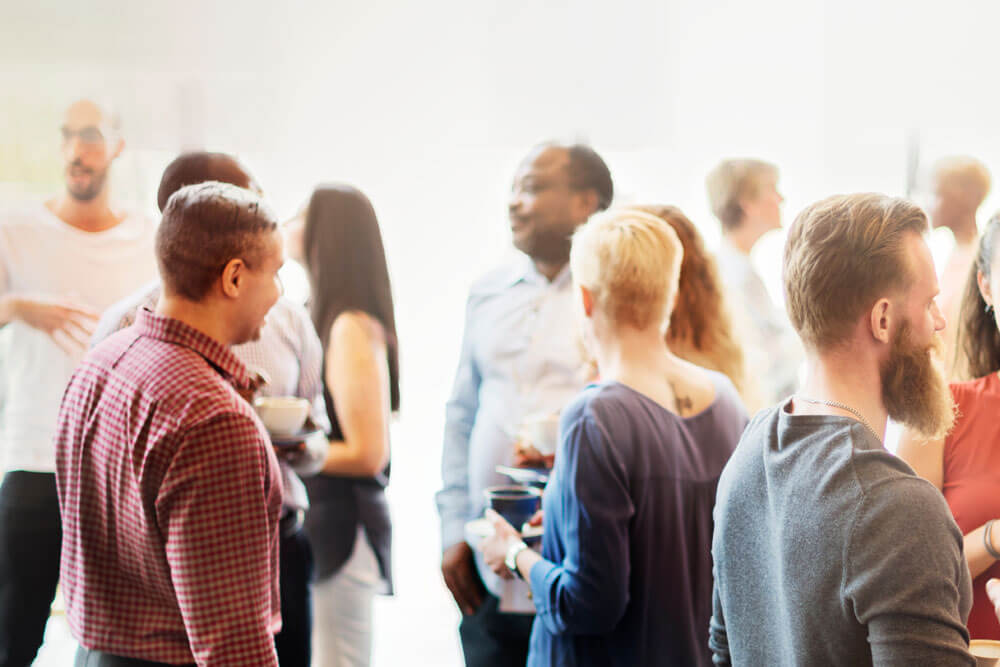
(841, 406)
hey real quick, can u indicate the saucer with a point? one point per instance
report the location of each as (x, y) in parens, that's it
(478, 530)
(286, 440)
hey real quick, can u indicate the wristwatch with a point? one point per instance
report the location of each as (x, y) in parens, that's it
(511, 560)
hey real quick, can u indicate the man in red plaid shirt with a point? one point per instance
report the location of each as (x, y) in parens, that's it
(168, 488)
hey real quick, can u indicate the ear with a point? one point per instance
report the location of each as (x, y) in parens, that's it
(587, 299)
(746, 207)
(233, 275)
(984, 288)
(117, 150)
(880, 320)
(586, 203)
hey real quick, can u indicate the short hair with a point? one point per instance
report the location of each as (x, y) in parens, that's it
(630, 261)
(588, 171)
(971, 176)
(842, 254)
(203, 228)
(731, 181)
(199, 167)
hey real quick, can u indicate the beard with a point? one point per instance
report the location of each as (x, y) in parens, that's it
(91, 188)
(914, 389)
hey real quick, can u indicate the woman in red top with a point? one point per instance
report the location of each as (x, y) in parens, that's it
(966, 464)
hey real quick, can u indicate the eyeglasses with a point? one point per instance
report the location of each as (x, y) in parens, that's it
(89, 136)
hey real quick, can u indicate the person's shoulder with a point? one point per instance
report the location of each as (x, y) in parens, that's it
(187, 387)
(727, 396)
(608, 404)
(886, 479)
(903, 511)
(974, 389)
(18, 217)
(354, 330)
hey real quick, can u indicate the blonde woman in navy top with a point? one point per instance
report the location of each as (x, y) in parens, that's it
(625, 573)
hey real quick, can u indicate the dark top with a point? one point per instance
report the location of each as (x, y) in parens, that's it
(337, 505)
(627, 578)
(829, 550)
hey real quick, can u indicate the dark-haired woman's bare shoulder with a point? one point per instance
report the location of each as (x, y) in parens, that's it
(355, 324)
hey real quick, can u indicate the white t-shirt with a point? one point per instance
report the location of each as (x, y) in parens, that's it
(43, 257)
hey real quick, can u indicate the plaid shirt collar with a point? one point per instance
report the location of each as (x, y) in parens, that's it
(215, 353)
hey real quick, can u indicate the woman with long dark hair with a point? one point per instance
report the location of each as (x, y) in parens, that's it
(348, 519)
(966, 464)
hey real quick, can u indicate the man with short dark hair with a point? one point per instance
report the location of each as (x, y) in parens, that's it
(169, 491)
(62, 262)
(290, 355)
(520, 356)
(827, 549)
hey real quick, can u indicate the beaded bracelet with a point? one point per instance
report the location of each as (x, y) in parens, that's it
(988, 540)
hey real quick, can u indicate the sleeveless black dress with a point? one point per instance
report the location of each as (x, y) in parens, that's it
(338, 505)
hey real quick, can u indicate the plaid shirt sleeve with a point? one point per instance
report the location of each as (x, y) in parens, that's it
(213, 510)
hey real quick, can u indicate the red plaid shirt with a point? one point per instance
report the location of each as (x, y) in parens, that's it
(170, 496)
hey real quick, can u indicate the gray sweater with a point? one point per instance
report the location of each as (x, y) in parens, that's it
(828, 550)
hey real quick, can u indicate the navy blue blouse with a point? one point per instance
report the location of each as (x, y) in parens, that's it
(627, 575)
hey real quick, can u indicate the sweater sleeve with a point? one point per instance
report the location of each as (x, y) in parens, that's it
(906, 576)
(587, 592)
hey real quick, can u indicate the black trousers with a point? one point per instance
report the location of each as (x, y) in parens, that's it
(87, 658)
(30, 540)
(294, 642)
(492, 639)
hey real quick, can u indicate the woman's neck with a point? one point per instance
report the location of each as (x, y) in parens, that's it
(628, 352)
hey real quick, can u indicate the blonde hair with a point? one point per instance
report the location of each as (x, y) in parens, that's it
(631, 262)
(967, 174)
(842, 254)
(731, 181)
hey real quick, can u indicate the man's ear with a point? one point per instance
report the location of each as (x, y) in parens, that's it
(587, 300)
(119, 147)
(233, 274)
(587, 204)
(984, 288)
(880, 320)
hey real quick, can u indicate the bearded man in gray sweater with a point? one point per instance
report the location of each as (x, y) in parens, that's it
(827, 549)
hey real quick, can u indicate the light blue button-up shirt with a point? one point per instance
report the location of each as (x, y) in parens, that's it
(521, 354)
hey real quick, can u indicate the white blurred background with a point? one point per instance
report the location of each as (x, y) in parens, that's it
(427, 107)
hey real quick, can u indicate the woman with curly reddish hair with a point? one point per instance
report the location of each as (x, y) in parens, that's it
(701, 329)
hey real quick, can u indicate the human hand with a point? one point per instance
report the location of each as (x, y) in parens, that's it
(461, 578)
(68, 325)
(536, 520)
(290, 454)
(496, 546)
(993, 593)
(258, 379)
(526, 456)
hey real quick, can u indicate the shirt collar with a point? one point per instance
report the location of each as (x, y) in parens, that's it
(174, 331)
(525, 271)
